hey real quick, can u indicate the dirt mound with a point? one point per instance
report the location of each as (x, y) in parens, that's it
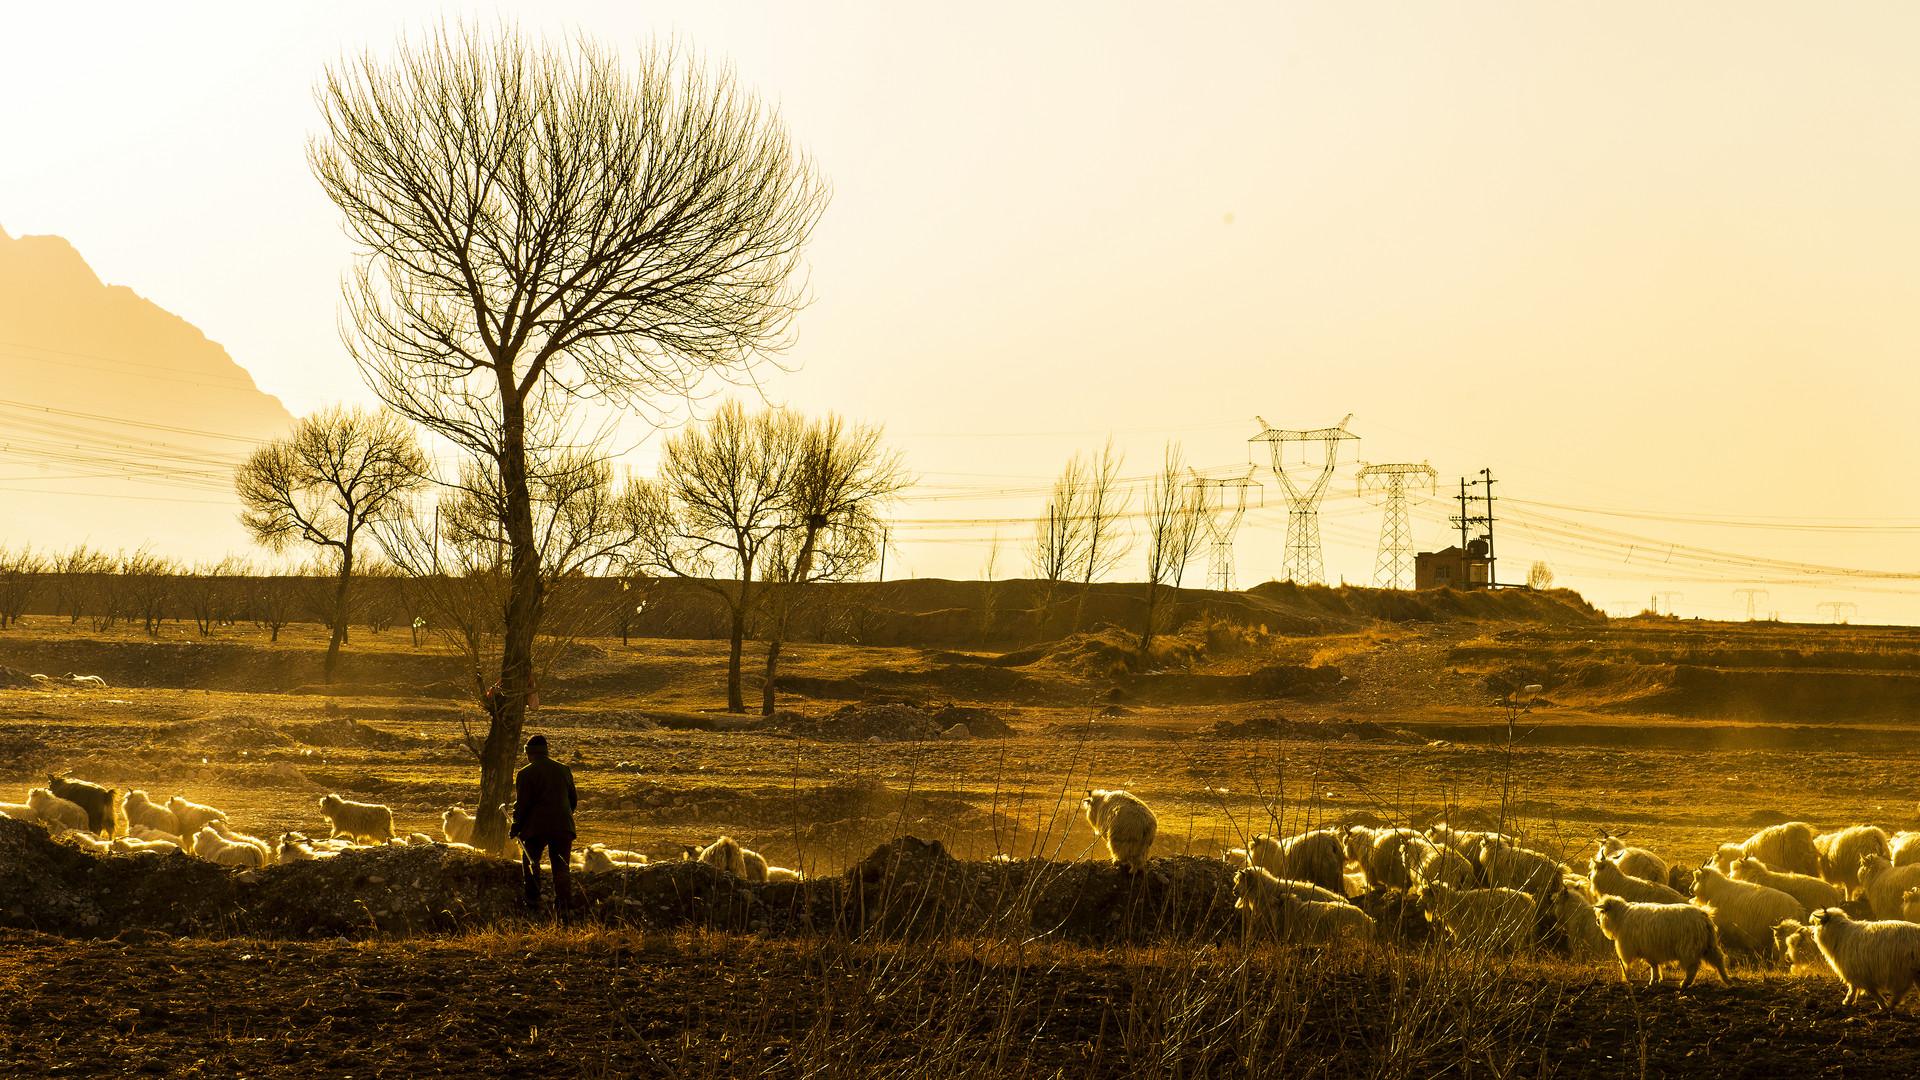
(887, 721)
(226, 732)
(349, 731)
(1279, 727)
(15, 679)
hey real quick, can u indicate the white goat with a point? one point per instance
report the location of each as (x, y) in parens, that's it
(141, 810)
(370, 822)
(52, 808)
(1125, 823)
(1840, 854)
(1812, 893)
(1500, 920)
(1878, 959)
(1884, 884)
(1317, 856)
(1744, 913)
(1660, 934)
(192, 816)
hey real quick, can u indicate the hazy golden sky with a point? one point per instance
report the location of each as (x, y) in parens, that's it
(1651, 257)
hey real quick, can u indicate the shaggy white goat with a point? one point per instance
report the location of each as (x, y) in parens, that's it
(1636, 861)
(52, 808)
(234, 836)
(1794, 942)
(1878, 959)
(1378, 853)
(1508, 866)
(1273, 906)
(1317, 856)
(1428, 863)
(1610, 880)
(1841, 852)
(1787, 846)
(1904, 848)
(370, 822)
(1125, 823)
(1884, 884)
(140, 810)
(600, 858)
(1497, 919)
(211, 846)
(1573, 912)
(1812, 893)
(130, 845)
(457, 825)
(1661, 934)
(192, 816)
(1744, 913)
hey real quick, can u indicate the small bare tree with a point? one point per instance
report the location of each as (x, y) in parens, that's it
(1539, 575)
(21, 574)
(830, 527)
(151, 583)
(1060, 541)
(273, 599)
(208, 590)
(537, 223)
(1104, 506)
(721, 499)
(340, 471)
(1174, 513)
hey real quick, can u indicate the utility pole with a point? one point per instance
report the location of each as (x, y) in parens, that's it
(1754, 598)
(1468, 517)
(1393, 566)
(1220, 515)
(1304, 488)
(1841, 610)
(1670, 597)
(885, 532)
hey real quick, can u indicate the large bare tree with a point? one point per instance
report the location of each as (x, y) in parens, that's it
(340, 471)
(830, 529)
(539, 221)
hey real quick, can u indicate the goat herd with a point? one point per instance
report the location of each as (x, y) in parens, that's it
(90, 816)
(1845, 902)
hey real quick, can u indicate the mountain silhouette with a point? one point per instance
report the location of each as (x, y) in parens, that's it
(120, 422)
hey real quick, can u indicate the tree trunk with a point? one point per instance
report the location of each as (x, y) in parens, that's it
(773, 667)
(501, 751)
(339, 628)
(1146, 632)
(736, 702)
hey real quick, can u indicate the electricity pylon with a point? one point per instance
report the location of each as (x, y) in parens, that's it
(1754, 598)
(1841, 610)
(1304, 488)
(1393, 566)
(1222, 503)
(1670, 597)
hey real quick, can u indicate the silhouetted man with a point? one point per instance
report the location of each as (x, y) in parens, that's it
(543, 805)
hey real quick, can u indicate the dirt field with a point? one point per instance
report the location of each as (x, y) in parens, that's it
(1678, 736)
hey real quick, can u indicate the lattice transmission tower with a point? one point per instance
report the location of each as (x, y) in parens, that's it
(1393, 566)
(1304, 486)
(1222, 503)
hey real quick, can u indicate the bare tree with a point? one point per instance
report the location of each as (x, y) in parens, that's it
(273, 597)
(1060, 542)
(721, 499)
(829, 524)
(537, 222)
(208, 590)
(151, 583)
(1539, 575)
(73, 581)
(1104, 505)
(1174, 513)
(340, 471)
(21, 574)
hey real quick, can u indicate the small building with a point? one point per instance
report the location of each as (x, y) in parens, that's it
(1453, 568)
